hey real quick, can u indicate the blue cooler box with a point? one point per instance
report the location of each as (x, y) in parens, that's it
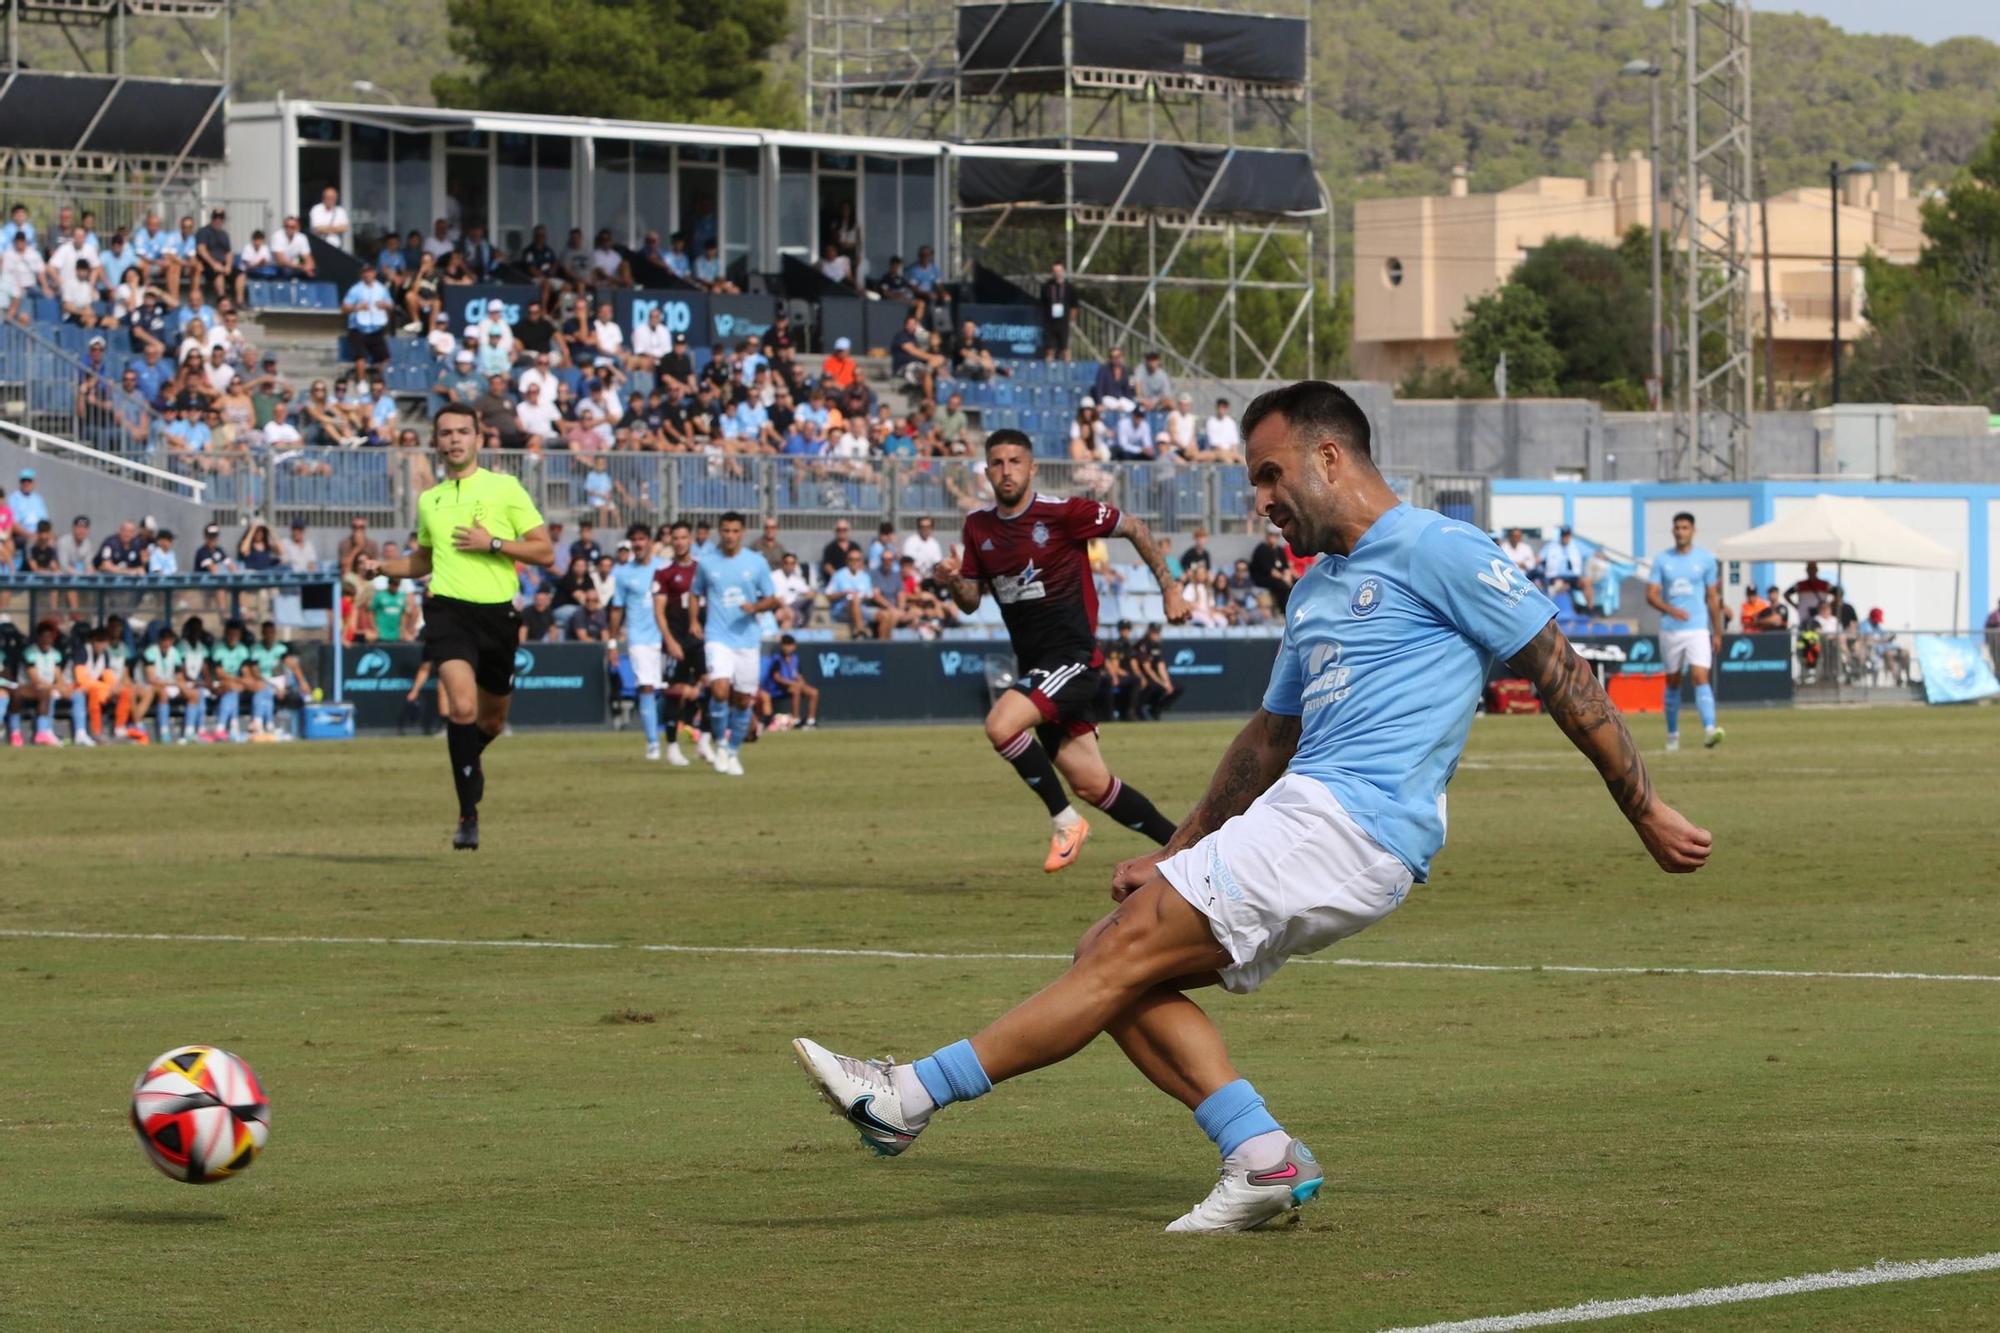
(329, 722)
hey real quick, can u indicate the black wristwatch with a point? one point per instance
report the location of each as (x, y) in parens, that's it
(495, 545)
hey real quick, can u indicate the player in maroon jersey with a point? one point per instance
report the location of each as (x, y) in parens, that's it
(674, 603)
(1032, 551)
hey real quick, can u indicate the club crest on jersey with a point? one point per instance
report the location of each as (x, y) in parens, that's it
(1367, 598)
(1040, 534)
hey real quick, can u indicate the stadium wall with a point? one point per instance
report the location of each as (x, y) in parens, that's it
(1637, 518)
(71, 488)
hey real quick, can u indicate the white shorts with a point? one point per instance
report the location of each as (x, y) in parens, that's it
(1290, 875)
(1684, 648)
(645, 664)
(739, 666)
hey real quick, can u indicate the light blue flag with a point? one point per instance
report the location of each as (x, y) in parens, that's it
(1955, 669)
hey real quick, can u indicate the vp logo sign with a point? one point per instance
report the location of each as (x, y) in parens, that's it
(524, 662)
(1642, 651)
(675, 316)
(955, 664)
(374, 662)
(1742, 650)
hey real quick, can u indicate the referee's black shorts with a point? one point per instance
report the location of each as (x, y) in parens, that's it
(485, 634)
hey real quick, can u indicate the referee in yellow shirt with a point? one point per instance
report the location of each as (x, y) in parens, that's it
(471, 529)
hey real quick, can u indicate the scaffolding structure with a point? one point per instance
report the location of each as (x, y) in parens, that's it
(1181, 275)
(94, 127)
(1709, 150)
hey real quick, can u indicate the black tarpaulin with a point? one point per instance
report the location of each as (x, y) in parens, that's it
(1256, 180)
(1154, 38)
(145, 117)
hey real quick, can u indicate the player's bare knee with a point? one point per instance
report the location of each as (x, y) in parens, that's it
(1092, 787)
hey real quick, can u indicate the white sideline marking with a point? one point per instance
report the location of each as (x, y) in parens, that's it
(1592, 1311)
(780, 951)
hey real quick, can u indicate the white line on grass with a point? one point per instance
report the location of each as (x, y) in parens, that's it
(1592, 1311)
(782, 951)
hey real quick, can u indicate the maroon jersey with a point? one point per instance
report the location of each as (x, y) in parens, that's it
(1038, 567)
(673, 583)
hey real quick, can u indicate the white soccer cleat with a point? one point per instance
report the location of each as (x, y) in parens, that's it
(1712, 739)
(675, 759)
(1246, 1200)
(1673, 742)
(703, 747)
(653, 751)
(735, 769)
(718, 759)
(85, 739)
(862, 1093)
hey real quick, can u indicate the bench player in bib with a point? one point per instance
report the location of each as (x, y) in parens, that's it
(1323, 812)
(471, 528)
(1031, 550)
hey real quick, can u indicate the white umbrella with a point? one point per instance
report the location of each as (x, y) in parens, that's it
(1843, 530)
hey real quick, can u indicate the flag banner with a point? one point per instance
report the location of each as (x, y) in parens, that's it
(1955, 669)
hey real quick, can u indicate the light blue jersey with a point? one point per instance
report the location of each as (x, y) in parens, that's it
(632, 590)
(726, 584)
(1684, 580)
(1385, 653)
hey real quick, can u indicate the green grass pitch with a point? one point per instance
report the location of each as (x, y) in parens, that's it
(488, 1138)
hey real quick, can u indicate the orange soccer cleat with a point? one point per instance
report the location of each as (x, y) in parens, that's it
(1065, 845)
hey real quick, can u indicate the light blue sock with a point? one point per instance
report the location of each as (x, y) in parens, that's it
(261, 706)
(1673, 709)
(164, 716)
(739, 727)
(649, 716)
(718, 718)
(229, 709)
(953, 1074)
(1232, 1115)
(1704, 702)
(77, 713)
(197, 717)
(46, 719)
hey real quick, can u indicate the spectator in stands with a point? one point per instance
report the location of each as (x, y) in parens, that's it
(1197, 555)
(1271, 570)
(1563, 569)
(329, 220)
(17, 223)
(833, 556)
(423, 296)
(41, 556)
(710, 274)
(44, 680)
(78, 295)
(439, 243)
(131, 414)
(1222, 440)
(258, 260)
(837, 268)
(885, 605)
(608, 266)
(912, 358)
(1058, 300)
(180, 255)
(160, 557)
(676, 260)
(122, 552)
(478, 253)
(74, 246)
(794, 592)
(538, 617)
(26, 503)
(23, 268)
(849, 591)
(1515, 547)
(495, 411)
(923, 547)
(608, 337)
(536, 419)
(1152, 386)
(292, 253)
(784, 682)
(1113, 387)
(1809, 593)
(215, 257)
(839, 368)
(14, 298)
(1159, 692)
(590, 623)
(894, 285)
(924, 276)
(1133, 441)
(539, 258)
(367, 306)
(73, 549)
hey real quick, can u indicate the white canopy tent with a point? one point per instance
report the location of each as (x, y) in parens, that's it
(1843, 530)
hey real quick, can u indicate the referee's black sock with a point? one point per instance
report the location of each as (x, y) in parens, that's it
(1129, 806)
(1032, 762)
(464, 741)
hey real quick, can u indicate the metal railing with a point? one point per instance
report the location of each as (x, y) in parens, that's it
(127, 206)
(36, 441)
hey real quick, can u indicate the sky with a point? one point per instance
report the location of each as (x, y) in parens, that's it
(1926, 20)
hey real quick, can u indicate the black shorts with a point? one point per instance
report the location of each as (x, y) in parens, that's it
(688, 670)
(486, 634)
(1066, 697)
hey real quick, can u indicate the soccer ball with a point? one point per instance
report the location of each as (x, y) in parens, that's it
(200, 1114)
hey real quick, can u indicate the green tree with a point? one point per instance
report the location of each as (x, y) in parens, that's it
(1934, 330)
(1598, 314)
(670, 60)
(1513, 321)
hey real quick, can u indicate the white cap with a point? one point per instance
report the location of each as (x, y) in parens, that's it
(1088, 401)
(495, 304)
(841, 344)
(464, 358)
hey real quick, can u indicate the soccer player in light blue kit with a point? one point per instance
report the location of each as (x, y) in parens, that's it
(1323, 812)
(632, 612)
(1686, 588)
(734, 586)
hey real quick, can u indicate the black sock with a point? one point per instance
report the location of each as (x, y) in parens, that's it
(1032, 762)
(1167, 699)
(485, 739)
(462, 740)
(1129, 806)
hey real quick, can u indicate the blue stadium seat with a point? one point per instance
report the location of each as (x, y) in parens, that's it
(45, 309)
(407, 349)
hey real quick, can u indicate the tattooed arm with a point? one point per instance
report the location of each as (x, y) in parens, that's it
(1572, 696)
(1134, 530)
(1253, 761)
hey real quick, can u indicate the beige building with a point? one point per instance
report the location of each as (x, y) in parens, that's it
(1418, 262)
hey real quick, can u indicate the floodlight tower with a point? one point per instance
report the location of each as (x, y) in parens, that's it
(1709, 153)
